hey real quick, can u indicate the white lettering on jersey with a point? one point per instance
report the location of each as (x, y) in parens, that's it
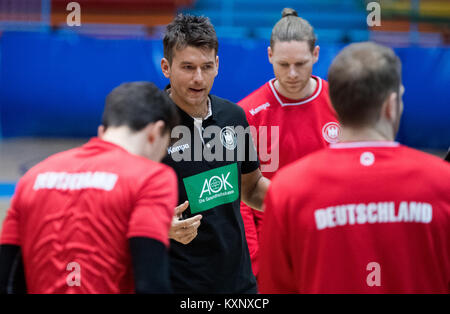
(175, 149)
(76, 181)
(371, 213)
(259, 108)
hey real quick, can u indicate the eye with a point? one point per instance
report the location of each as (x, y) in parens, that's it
(188, 67)
(207, 67)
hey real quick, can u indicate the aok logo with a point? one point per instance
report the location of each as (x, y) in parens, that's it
(216, 184)
(212, 188)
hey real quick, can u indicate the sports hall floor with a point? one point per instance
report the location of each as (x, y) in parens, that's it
(20, 154)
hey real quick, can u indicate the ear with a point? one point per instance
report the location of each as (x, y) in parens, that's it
(100, 131)
(270, 54)
(165, 67)
(155, 130)
(390, 108)
(316, 54)
(217, 65)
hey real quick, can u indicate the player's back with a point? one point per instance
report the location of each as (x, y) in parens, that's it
(76, 207)
(366, 218)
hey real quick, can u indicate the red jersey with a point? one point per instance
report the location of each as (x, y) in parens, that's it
(287, 130)
(367, 217)
(81, 206)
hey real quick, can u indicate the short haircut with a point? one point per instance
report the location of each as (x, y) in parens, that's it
(291, 27)
(189, 30)
(136, 104)
(360, 79)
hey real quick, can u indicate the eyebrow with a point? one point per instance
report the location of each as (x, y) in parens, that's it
(188, 62)
(299, 61)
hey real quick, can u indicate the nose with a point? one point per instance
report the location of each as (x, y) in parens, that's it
(198, 75)
(292, 72)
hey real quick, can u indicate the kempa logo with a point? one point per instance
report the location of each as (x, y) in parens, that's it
(216, 184)
(174, 149)
(259, 108)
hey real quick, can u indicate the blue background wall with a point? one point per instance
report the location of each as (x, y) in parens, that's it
(54, 84)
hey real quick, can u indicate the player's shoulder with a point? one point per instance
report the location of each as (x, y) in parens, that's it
(226, 109)
(157, 171)
(324, 83)
(323, 90)
(141, 173)
(223, 102)
(309, 166)
(258, 95)
(427, 162)
(143, 167)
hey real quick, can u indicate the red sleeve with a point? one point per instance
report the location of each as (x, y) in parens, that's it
(10, 230)
(251, 235)
(250, 216)
(275, 268)
(155, 205)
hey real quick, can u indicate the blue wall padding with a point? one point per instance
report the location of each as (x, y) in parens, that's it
(55, 84)
(7, 189)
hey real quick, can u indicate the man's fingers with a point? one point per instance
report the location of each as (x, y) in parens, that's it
(184, 231)
(181, 208)
(186, 228)
(195, 225)
(188, 238)
(183, 224)
(190, 221)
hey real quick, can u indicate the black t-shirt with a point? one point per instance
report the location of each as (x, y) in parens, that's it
(217, 260)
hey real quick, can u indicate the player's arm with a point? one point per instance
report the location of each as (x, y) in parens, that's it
(275, 263)
(248, 217)
(12, 275)
(253, 184)
(150, 265)
(253, 189)
(148, 231)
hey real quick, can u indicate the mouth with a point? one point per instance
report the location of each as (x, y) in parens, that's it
(196, 90)
(293, 84)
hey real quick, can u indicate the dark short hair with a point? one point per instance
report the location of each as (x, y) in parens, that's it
(360, 79)
(189, 30)
(136, 104)
(291, 27)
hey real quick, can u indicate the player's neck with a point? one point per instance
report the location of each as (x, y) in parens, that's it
(306, 92)
(364, 134)
(196, 111)
(123, 137)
